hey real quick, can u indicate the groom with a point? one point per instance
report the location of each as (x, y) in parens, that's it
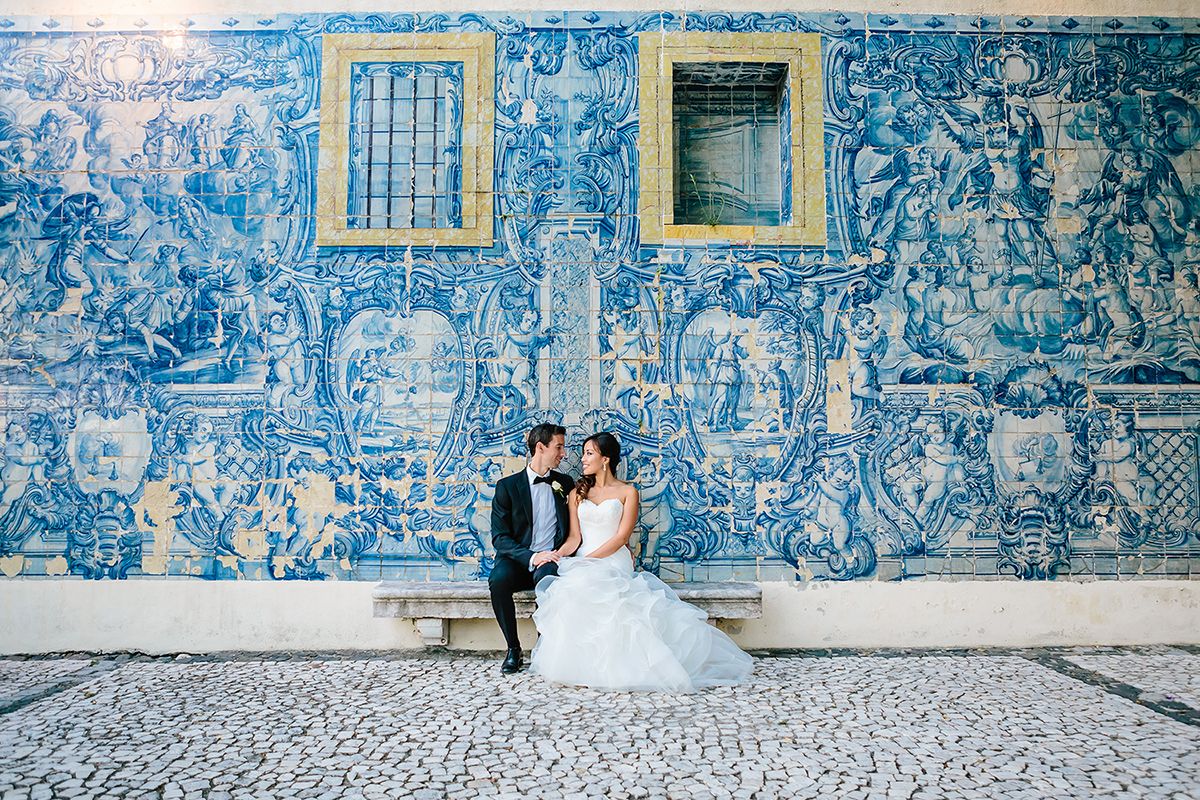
(529, 521)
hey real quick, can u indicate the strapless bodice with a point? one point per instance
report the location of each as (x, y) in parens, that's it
(598, 522)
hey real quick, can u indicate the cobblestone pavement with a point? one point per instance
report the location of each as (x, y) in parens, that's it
(1172, 676)
(845, 725)
(16, 677)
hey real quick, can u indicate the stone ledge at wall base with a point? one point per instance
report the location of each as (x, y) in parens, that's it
(172, 615)
(433, 605)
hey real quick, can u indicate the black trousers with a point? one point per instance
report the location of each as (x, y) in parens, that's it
(509, 576)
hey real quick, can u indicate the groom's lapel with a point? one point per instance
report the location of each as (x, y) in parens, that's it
(560, 508)
(525, 498)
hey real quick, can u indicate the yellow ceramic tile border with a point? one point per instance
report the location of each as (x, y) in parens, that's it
(657, 55)
(477, 53)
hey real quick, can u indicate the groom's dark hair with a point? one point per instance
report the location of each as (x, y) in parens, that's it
(542, 434)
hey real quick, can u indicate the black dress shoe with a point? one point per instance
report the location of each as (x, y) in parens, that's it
(512, 662)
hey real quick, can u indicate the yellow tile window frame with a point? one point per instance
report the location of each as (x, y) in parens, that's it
(477, 53)
(657, 55)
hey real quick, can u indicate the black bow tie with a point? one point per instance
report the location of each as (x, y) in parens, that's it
(542, 479)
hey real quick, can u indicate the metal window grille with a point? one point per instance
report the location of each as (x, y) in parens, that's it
(405, 146)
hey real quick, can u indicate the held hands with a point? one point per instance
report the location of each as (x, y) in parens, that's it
(546, 557)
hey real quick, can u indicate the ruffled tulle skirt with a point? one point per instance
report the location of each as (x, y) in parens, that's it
(602, 625)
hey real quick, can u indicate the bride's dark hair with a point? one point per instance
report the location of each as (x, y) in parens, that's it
(610, 448)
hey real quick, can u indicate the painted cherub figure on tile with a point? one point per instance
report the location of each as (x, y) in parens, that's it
(836, 507)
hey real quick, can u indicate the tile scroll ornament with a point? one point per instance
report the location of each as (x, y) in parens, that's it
(972, 354)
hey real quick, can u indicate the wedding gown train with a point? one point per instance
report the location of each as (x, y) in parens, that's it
(600, 624)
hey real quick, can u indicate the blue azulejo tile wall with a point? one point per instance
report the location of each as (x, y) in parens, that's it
(982, 361)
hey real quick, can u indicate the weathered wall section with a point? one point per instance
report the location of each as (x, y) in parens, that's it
(988, 370)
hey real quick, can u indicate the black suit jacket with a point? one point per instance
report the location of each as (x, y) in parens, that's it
(512, 515)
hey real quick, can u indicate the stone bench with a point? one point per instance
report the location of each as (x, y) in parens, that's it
(433, 604)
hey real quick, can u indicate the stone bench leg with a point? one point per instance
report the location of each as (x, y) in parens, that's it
(434, 632)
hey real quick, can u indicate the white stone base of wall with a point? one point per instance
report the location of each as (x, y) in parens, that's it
(170, 616)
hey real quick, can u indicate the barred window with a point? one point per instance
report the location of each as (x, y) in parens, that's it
(406, 145)
(405, 155)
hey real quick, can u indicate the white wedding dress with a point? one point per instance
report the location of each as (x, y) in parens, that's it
(602, 625)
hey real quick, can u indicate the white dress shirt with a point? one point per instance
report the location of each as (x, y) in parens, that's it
(545, 518)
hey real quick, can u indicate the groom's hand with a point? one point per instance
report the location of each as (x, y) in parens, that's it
(545, 557)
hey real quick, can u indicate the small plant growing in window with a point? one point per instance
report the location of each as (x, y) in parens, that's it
(709, 203)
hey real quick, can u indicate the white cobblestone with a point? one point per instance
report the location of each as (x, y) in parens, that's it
(21, 675)
(1174, 676)
(861, 726)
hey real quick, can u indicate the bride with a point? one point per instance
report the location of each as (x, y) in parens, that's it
(602, 625)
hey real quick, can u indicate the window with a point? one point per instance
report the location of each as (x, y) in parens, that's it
(405, 148)
(731, 138)
(729, 144)
(406, 140)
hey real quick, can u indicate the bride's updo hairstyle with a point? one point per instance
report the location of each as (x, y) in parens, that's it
(610, 448)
